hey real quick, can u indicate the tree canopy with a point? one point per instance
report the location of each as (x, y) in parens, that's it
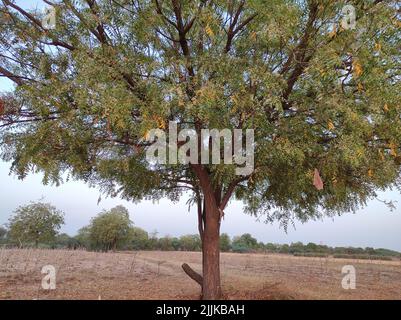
(110, 229)
(319, 96)
(35, 223)
(3, 233)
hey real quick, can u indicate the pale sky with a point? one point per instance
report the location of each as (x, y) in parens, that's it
(374, 226)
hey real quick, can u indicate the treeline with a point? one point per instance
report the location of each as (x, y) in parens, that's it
(37, 225)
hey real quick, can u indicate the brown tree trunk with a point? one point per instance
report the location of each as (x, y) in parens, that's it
(209, 229)
(211, 288)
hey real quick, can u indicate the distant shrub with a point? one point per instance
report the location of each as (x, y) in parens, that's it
(311, 254)
(240, 248)
(361, 257)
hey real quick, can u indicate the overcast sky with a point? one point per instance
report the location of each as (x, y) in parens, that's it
(374, 226)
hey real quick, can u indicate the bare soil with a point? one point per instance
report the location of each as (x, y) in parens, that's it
(158, 275)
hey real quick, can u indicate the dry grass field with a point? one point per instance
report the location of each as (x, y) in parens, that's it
(158, 275)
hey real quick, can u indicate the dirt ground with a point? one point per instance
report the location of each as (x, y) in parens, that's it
(158, 275)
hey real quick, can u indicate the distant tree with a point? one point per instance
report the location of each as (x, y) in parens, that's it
(369, 250)
(311, 247)
(166, 243)
(191, 242)
(225, 242)
(110, 229)
(63, 240)
(261, 245)
(285, 248)
(176, 243)
(138, 239)
(296, 247)
(271, 247)
(3, 233)
(386, 252)
(244, 243)
(83, 238)
(35, 223)
(153, 240)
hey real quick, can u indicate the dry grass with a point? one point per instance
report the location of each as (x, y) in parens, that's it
(158, 275)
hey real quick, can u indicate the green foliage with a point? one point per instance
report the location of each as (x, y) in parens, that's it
(285, 248)
(138, 239)
(63, 240)
(110, 229)
(362, 257)
(35, 223)
(83, 238)
(311, 254)
(166, 243)
(190, 243)
(225, 242)
(244, 243)
(3, 233)
(88, 91)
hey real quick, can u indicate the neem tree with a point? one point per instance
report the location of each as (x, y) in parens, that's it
(321, 93)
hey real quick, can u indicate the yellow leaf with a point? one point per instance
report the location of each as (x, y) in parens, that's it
(360, 87)
(317, 180)
(160, 122)
(393, 149)
(253, 35)
(370, 173)
(378, 46)
(357, 67)
(147, 135)
(209, 31)
(330, 125)
(385, 108)
(162, 125)
(381, 155)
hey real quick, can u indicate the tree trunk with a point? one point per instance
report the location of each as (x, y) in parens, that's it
(209, 229)
(211, 288)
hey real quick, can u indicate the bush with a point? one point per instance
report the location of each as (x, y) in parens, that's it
(138, 239)
(225, 242)
(240, 248)
(361, 257)
(244, 243)
(191, 242)
(311, 254)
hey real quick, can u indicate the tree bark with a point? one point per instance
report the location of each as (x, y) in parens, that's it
(210, 235)
(211, 288)
(192, 274)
